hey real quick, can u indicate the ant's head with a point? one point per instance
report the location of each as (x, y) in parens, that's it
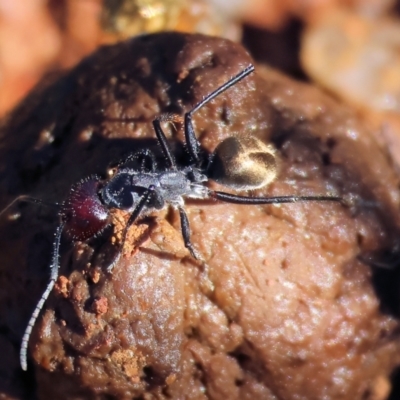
(83, 212)
(243, 163)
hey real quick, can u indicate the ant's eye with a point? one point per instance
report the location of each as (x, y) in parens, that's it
(111, 171)
(83, 212)
(243, 163)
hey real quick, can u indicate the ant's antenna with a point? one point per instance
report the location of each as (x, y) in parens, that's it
(55, 264)
(53, 277)
(28, 199)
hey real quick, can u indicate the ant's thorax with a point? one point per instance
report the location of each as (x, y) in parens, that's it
(125, 189)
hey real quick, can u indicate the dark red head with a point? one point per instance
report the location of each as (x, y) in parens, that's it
(83, 212)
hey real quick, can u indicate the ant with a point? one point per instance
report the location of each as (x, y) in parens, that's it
(237, 163)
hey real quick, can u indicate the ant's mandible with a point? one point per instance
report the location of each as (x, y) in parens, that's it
(238, 163)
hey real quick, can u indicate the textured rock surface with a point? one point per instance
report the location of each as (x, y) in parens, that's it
(288, 310)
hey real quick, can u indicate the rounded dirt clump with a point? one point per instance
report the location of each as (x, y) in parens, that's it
(288, 301)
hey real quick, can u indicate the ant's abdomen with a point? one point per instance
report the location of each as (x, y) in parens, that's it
(83, 212)
(243, 163)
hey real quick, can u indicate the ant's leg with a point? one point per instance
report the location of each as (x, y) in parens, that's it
(30, 200)
(186, 233)
(190, 137)
(161, 136)
(232, 198)
(134, 156)
(150, 155)
(54, 267)
(133, 217)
